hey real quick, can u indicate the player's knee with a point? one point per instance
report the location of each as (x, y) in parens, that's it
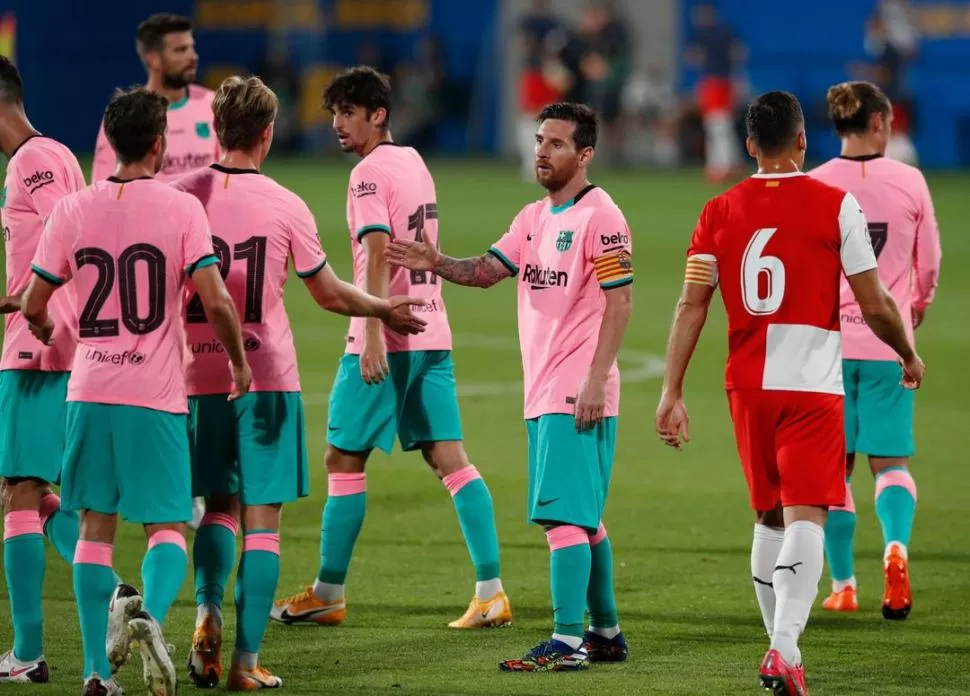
(849, 464)
(223, 504)
(22, 493)
(262, 517)
(154, 528)
(772, 518)
(446, 457)
(877, 465)
(340, 461)
(95, 526)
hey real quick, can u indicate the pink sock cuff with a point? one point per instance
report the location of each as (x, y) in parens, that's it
(346, 484)
(565, 536)
(167, 536)
(597, 538)
(220, 519)
(849, 500)
(93, 553)
(21, 522)
(49, 504)
(461, 478)
(896, 477)
(262, 541)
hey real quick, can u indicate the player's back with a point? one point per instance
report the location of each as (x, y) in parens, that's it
(256, 224)
(895, 199)
(38, 173)
(777, 242)
(391, 190)
(129, 246)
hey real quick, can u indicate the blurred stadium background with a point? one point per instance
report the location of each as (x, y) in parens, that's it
(466, 74)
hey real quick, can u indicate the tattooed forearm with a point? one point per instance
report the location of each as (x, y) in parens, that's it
(477, 272)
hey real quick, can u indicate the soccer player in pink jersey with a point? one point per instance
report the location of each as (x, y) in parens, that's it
(389, 384)
(878, 411)
(572, 253)
(129, 243)
(253, 451)
(167, 50)
(33, 381)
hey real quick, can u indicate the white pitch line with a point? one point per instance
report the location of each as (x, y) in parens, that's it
(635, 366)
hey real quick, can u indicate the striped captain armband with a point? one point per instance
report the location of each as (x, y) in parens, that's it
(614, 269)
(702, 270)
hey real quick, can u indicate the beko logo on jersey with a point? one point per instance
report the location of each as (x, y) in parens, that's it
(39, 179)
(108, 358)
(618, 239)
(542, 278)
(364, 188)
(186, 162)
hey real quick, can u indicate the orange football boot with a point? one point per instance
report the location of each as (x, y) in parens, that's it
(897, 598)
(845, 599)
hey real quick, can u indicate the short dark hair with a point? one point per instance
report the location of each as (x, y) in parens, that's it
(133, 121)
(360, 86)
(852, 104)
(587, 125)
(773, 121)
(152, 32)
(11, 86)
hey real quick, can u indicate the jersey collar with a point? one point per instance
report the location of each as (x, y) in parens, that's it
(862, 158)
(781, 175)
(233, 170)
(115, 180)
(563, 207)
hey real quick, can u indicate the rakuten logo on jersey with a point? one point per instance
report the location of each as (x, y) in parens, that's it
(186, 163)
(542, 278)
(38, 180)
(364, 188)
(614, 240)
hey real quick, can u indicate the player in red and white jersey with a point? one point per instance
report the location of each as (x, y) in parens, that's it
(777, 244)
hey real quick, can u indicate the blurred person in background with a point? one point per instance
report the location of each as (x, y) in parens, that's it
(606, 65)
(878, 410)
(716, 52)
(420, 95)
(892, 41)
(651, 111)
(544, 77)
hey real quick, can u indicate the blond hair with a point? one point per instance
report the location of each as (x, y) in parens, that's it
(852, 104)
(244, 107)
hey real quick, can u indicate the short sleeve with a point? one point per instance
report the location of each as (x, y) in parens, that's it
(701, 258)
(51, 261)
(857, 254)
(368, 201)
(308, 255)
(45, 181)
(609, 246)
(508, 249)
(197, 249)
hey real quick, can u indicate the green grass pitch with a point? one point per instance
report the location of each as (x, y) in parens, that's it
(679, 521)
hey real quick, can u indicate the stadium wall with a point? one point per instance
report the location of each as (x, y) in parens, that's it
(807, 51)
(72, 66)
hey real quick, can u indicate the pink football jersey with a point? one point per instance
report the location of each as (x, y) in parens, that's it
(257, 226)
(392, 192)
(191, 141)
(566, 258)
(776, 245)
(905, 237)
(40, 172)
(129, 247)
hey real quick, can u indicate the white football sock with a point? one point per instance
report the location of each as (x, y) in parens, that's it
(327, 591)
(572, 641)
(797, 573)
(204, 611)
(486, 589)
(246, 660)
(902, 550)
(839, 585)
(608, 633)
(764, 556)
